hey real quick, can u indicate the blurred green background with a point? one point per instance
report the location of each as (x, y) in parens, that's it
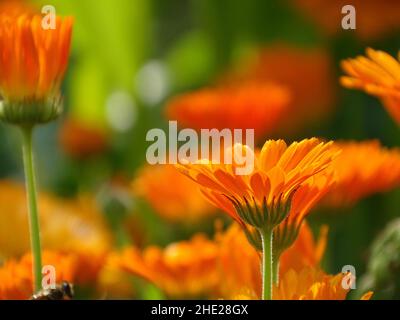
(129, 56)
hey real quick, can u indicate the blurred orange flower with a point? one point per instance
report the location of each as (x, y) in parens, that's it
(306, 72)
(81, 140)
(16, 281)
(239, 262)
(182, 269)
(377, 74)
(363, 168)
(173, 196)
(284, 185)
(219, 268)
(257, 106)
(305, 251)
(375, 18)
(67, 225)
(32, 60)
(312, 284)
(14, 8)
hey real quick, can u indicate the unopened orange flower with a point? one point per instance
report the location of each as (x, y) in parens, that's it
(182, 269)
(306, 72)
(173, 196)
(312, 284)
(257, 106)
(33, 61)
(377, 74)
(374, 18)
(67, 225)
(363, 168)
(82, 140)
(16, 280)
(286, 182)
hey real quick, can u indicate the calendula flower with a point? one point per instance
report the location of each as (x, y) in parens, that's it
(312, 284)
(239, 262)
(306, 72)
(275, 197)
(33, 61)
(182, 269)
(81, 140)
(16, 280)
(357, 178)
(257, 106)
(377, 74)
(374, 18)
(182, 203)
(67, 225)
(280, 186)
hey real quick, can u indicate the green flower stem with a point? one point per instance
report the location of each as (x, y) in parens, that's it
(32, 206)
(267, 265)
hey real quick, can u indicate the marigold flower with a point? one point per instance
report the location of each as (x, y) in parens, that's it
(377, 74)
(244, 106)
(182, 269)
(374, 18)
(33, 61)
(306, 72)
(67, 225)
(357, 178)
(16, 280)
(182, 203)
(82, 140)
(281, 185)
(312, 284)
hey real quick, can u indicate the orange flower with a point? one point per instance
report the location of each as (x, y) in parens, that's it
(81, 140)
(75, 226)
(16, 281)
(312, 284)
(14, 8)
(245, 106)
(187, 268)
(239, 263)
(377, 74)
(305, 251)
(374, 18)
(33, 60)
(285, 183)
(306, 72)
(358, 178)
(183, 202)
